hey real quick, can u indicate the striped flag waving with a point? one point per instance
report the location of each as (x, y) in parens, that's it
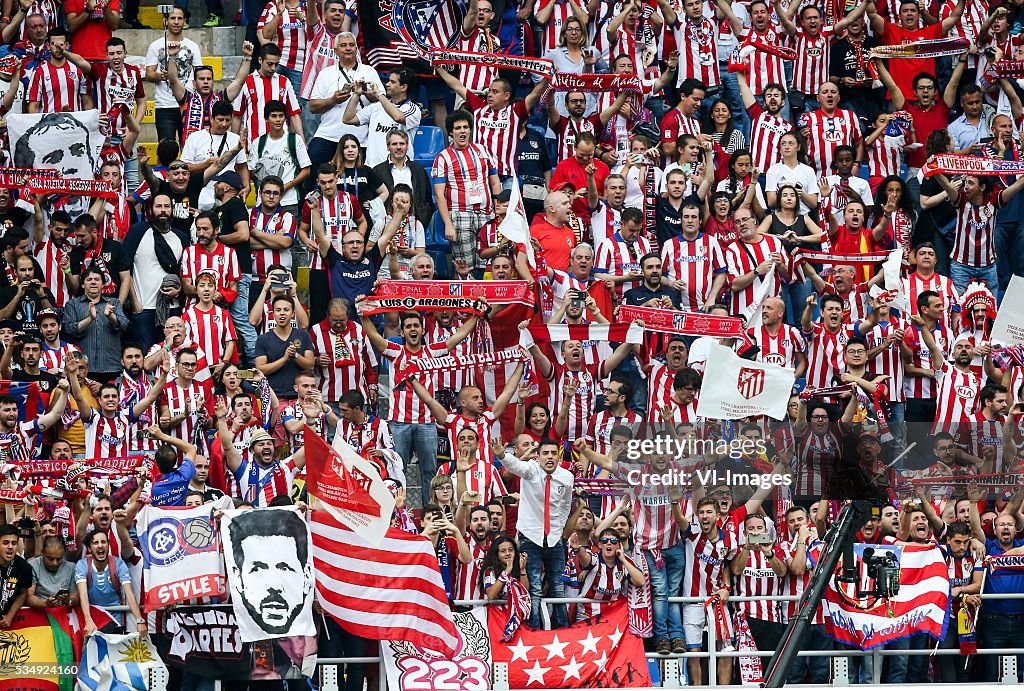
(392, 591)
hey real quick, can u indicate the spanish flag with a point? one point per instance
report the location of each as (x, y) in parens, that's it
(34, 652)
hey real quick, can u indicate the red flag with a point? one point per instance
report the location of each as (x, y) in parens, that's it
(393, 591)
(597, 653)
(330, 480)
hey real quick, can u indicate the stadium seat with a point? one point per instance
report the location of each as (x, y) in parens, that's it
(429, 142)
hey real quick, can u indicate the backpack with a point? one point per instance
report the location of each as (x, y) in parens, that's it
(261, 145)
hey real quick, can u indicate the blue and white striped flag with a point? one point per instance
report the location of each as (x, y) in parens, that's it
(117, 663)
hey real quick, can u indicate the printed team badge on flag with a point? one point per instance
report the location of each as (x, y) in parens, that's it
(750, 382)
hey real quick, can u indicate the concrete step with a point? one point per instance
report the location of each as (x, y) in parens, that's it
(224, 41)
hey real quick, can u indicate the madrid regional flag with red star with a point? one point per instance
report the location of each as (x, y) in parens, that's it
(600, 652)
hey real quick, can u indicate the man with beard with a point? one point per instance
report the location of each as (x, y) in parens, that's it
(958, 386)
(344, 360)
(55, 349)
(29, 351)
(768, 122)
(566, 129)
(749, 260)
(997, 624)
(106, 254)
(185, 404)
(154, 250)
(271, 563)
(134, 383)
(210, 255)
(369, 435)
(981, 435)
(102, 579)
(259, 475)
(693, 263)
(779, 343)
(478, 539)
(52, 255)
(24, 302)
(926, 278)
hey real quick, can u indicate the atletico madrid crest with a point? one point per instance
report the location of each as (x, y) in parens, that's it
(750, 382)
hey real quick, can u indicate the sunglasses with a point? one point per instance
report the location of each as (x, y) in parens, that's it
(609, 541)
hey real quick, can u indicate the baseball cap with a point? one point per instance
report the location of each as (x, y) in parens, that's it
(503, 196)
(231, 178)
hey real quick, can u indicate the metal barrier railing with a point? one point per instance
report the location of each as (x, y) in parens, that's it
(671, 668)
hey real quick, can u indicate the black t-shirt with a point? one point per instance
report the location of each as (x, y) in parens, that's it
(14, 577)
(641, 294)
(226, 216)
(668, 220)
(843, 62)
(181, 202)
(532, 159)
(47, 382)
(29, 307)
(270, 345)
(15, 217)
(360, 182)
(934, 218)
(110, 260)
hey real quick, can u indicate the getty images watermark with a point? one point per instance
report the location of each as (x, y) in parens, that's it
(677, 462)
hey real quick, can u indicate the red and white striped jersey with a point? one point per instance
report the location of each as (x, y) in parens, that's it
(659, 386)
(975, 230)
(291, 34)
(138, 432)
(759, 580)
(675, 124)
(339, 215)
(914, 284)
(479, 76)
(48, 254)
(602, 424)
(581, 409)
(961, 571)
(469, 574)
(451, 379)
(483, 427)
(497, 131)
(825, 354)
(483, 478)
(654, 527)
(810, 69)
(260, 485)
(978, 434)
(53, 358)
(212, 330)
(354, 362)
(826, 133)
(466, 173)
(766, 68)
(255, 94)
(695, 262)
(199, 397)
(794, 586)
(601, 581)
(626, 43)
(618, 257)
(374, 433)
(888, 361)
(50, 11)
(697, 55)
(319, 56)
(568, 129)
(765, 132)
(605, 222)
(112, 87)
(58, 89)
(406, 406)
(970, 22)
(117, 219)
(223, 261)
(916, 386)
(743, 257)
(552, 30)
(885, 156)
(705, 560)
(855, 302)
(780, 349)
(278, 223)
(107, 437)
(956, 399)
(22, 442)
(814, 456)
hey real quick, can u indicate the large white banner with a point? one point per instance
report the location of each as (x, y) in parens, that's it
(180, 555)
(270, 572)
(1008, 328)
(69, 143)
(741, 388)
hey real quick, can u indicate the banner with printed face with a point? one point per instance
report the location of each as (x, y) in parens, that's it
(270, 572)
(69, 143)
(180, 555)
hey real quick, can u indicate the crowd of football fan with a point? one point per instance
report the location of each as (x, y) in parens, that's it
(167, 320)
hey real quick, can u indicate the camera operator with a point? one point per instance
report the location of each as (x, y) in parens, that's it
(758, 568)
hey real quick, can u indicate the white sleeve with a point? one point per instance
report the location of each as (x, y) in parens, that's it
(189, 152)
(302, 154)
(153, 55)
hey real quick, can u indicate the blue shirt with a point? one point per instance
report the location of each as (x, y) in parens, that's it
(171, 488)
(349, 279)
(1003, 581)
(101, 591)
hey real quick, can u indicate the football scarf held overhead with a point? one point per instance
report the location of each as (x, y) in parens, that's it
(393, 293)
(447, 363)
(927, 48)
(552, 333)
(613, 83)
(801, 256)
(956, 164)
(16, 178)
(1004, 69)
(77, 187)
(684, 323)
(538, 66)
(371, 305)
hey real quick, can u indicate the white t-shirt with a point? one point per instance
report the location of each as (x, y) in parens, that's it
(188, 59)
(277, 160)
(379, 123)
(858, 185)
(411, 236)
(203, 145)
(332, 126)
(802, 175)
(148, 275)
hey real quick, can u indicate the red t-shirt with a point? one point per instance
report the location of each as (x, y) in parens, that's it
(570, 170)
(90, 41)
(935, 118)
(905, 69)
(557, 243)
